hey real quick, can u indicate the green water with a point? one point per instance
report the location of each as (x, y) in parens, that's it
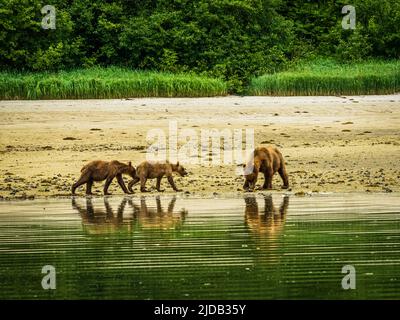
(185, 248)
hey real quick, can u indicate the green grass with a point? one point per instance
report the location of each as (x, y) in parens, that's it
(101, 83)
(326, 77)
(320, 77)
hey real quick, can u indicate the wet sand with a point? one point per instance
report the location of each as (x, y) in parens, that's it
(331, 144)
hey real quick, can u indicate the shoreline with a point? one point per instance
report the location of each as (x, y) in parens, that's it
(201, 196)
(330, 144)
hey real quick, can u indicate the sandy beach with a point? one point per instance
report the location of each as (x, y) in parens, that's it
(331, 144)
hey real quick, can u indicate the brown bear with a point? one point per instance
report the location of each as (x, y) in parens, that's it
(268, 161)
(102, 170)
(151, 170)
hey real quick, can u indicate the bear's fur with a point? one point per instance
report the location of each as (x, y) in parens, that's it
(267, 160)
(156, 170)
(102, 170)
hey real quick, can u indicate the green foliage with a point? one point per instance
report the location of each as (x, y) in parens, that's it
(234, 40)
(326, 77)
(317, 25)
(224, 38)
(230, 39)
(106, 83)
(355, 47)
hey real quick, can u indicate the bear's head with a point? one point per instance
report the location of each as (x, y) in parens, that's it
(181, 170)
(131, 170)
(250, 174)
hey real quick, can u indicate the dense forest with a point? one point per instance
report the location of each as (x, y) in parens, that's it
(230, 39)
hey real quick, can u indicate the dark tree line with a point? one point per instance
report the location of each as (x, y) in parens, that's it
(232, 39)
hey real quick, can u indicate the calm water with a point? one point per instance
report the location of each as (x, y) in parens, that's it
(185, 248)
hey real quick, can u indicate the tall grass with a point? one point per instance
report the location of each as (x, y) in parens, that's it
(325, 77)
(110, 82)
(321, 77)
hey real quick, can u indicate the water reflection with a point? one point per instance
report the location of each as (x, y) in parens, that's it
(157, 218)
(226, 248)
(97, 220)
(268, 223)
(128, 215)
(266, 228)
(90, 214)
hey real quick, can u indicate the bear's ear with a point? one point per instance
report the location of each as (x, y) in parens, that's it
(130, 163)
(177, 163)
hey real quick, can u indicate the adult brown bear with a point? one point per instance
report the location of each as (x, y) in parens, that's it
(151, 170)
(268, 161)
(102, 170)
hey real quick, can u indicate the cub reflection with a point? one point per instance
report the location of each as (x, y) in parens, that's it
(128, 216)
(100, 220)
(157, 217)
(269, 223)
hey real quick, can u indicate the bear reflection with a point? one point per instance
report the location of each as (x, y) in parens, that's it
(158, 218)
(128, 216)
(268, 223)
(97, 220)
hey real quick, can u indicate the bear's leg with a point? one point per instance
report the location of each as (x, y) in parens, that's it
(172, 183)
(89, 207)
(122, 184)
(284, 176)
(89, 185)
(107, 184)
(160, 210)
(266, 181)
(109, 210)
(269, 208)
(121, 209)
(171, 205)
(143, 184)
(143, 207)
(284, 206)
(268, 174)
(158, 185)
(85, 176)
(132, 183)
